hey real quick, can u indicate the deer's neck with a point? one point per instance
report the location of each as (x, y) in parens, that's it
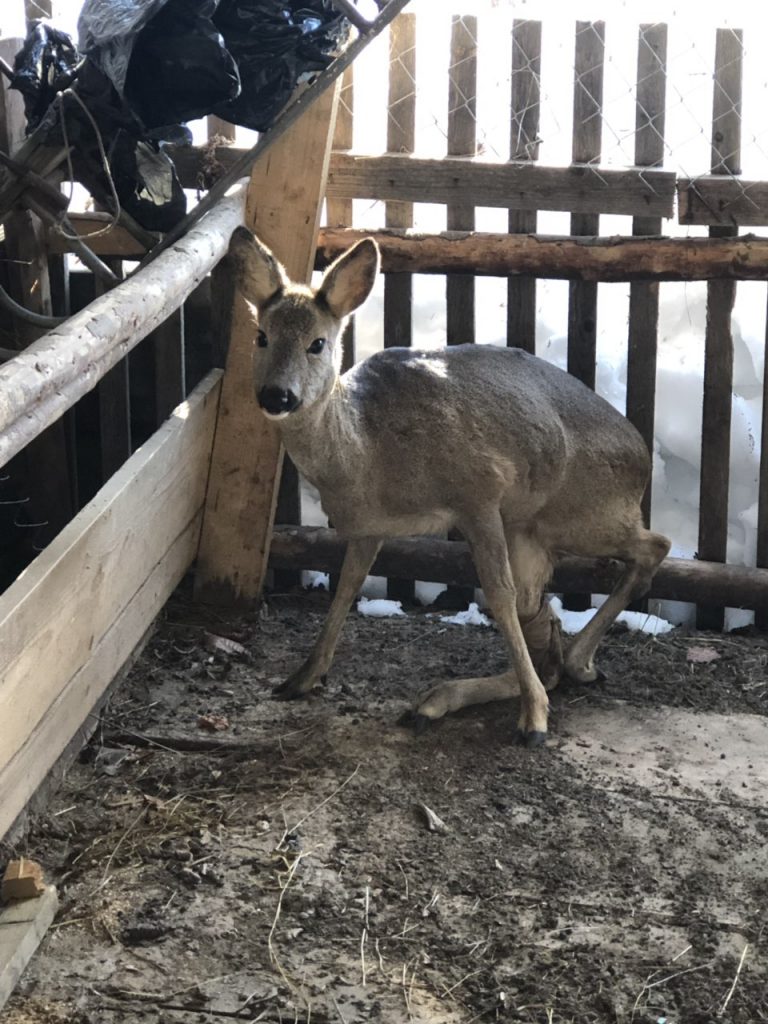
(325, 441)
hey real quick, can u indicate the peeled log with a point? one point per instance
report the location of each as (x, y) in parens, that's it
(445, 561)
(618, 258)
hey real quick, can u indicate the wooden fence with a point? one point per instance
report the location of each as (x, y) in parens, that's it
(127, 524)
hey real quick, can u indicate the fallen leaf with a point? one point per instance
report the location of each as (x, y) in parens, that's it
(434, 823)
(213, 723)
(701, 655)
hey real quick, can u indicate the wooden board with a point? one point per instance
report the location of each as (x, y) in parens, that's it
(524, 145)
(650, 109)
(722, 201)
(339, 212)
(22, 927)
(479, 183)
(718, 349)
(284, 202)
(61, 638)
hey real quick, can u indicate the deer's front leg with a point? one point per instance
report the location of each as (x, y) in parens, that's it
(358, 560)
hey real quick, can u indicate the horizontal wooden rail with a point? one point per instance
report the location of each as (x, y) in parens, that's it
(574, 258)
(580, 188)
(444, 561)
(620, 258)
(722, 200)
(73, 618)
(47, 378)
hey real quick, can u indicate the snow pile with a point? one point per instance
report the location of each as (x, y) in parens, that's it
(471, 616)
(379, 608)
(572, 622)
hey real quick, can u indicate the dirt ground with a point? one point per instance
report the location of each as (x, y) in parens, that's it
(619, 874)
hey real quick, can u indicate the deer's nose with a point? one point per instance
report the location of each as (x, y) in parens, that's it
(277, 401)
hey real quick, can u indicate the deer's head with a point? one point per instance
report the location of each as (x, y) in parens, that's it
(298, 348)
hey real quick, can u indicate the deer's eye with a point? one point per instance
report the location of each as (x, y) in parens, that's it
(261, 339)
(317, 346)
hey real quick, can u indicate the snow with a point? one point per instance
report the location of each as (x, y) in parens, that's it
(641, 622)
(379, 608)
(472, 616)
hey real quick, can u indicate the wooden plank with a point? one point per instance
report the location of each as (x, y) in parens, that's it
(22, 927)
(58, 612)
(587, 135)
(616, 258)
(722, 201)
(401, 136)
(114, 406)
(511, 186)
(462, 141)
(446, 561)
(586, 148)
(524, 146)
(644, 297)
(284, 203)
(339, 212)
(718, 348)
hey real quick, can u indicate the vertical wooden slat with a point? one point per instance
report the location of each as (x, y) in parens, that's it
(114, 405)
(587, 131)
(339, 212)
(586, 148)
(718, 350)
(644, 296)
(401, 132)
(524, 146)
(462, 141)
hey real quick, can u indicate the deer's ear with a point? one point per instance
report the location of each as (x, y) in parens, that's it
(347, 282)
(258, 275)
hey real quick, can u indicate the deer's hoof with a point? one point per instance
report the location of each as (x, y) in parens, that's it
(294, 689)
(596, 676)
(417, 722)
(530, 739)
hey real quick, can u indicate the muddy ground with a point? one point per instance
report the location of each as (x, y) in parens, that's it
(619, 874)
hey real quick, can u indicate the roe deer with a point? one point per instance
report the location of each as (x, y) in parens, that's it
(520, 456)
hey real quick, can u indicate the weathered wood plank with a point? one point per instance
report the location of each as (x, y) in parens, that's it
(513, 186)
(22, 927)
(121, 556)
(339, 212)
(722, 201)
(284, 204)
(524, 146)
(650, 109)
(617, 258)
(445, 561)
(718, 350)
(462, 141)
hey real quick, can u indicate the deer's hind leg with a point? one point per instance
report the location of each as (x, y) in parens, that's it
(512, 576)
(642, 553)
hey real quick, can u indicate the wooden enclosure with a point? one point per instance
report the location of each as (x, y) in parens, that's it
(139, 457)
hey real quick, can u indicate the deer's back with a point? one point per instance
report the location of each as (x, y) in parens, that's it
(481, 419)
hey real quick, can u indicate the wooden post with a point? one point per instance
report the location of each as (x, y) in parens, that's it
(401, 132)
(284, 202)
(462, 141)
(587, 138)
(718, 353)
(524, 145)
(644, 297)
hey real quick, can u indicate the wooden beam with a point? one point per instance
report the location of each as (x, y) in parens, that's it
(53, 373)
(617, 258)
(445, 561)
(73, 618)
(621, 258)
(514, 186)
(284, 201)
(22, 927)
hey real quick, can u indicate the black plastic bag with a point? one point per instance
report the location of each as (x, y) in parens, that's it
(43, 67)
(275, 43)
